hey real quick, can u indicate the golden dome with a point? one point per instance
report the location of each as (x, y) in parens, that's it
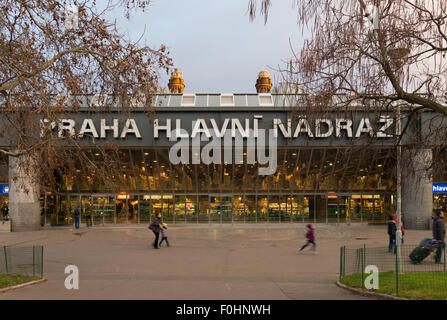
(263, 83)
(176, 83)
(176, 74)
(263, 74)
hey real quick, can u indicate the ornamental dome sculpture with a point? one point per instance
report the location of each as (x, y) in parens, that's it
(263, 83)
(176, 83)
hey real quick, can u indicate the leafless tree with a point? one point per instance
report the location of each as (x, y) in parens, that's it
(54, 54)
(387, 49)
(379, 53)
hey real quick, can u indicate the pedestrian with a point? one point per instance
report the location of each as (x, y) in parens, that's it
(164, 234)
(401, 228)
(439, 233)
(5, 211)
(392, 227)
(77, 214)
(155, 227)
(310, 237)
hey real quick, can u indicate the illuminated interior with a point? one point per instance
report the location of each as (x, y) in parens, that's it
(310, 185)
(324, 185)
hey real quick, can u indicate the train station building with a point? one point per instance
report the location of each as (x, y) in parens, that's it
(337, 167)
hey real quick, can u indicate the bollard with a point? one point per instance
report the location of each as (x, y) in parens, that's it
(362, 266)
(341, 263)
(34, 261)
(397, 274)
(6, 259)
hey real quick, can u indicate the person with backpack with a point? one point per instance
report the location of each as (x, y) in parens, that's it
(392, 228)
(77, 214)
(156, 226)
(439, 233)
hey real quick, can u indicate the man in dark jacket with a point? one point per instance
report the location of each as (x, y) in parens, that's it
(392, 228)
(439, 233)
(156, 225)
(77, 214)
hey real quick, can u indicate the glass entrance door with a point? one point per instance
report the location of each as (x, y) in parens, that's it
(355, 208)
(343, 208)
(221, 209)
(121, 209)
(98, 210)
(338, 208)
(168, 208)
(239, 209)
(103, 209)
(145, 209)
(86, 214)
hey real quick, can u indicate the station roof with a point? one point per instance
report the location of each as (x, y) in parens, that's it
(204, 100)
(200, 100)
(226, 100)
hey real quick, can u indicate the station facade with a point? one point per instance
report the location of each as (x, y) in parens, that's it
(336, 168)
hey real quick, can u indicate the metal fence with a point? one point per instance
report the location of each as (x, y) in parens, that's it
(23, 260)
(398, 275)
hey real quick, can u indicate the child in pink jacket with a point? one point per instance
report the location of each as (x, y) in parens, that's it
(310, 237)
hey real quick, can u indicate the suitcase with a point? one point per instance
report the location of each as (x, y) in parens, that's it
(419, 254)
(425, 241)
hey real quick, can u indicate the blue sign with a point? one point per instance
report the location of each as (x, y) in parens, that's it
(4, 189)
(439, 187)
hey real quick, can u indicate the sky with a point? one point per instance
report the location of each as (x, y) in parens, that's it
(214, 44)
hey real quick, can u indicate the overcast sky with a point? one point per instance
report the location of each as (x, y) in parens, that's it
(213, 43)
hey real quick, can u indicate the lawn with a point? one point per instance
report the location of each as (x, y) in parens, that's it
(9, 280)
(412, 285)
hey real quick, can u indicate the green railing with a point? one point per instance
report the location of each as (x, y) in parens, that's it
(22, 260)
(397, 274)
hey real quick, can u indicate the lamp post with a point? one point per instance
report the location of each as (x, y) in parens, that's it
(399, 184)
(398, 56)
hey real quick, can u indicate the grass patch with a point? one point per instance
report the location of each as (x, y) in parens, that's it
(9, 280)
(412, 285)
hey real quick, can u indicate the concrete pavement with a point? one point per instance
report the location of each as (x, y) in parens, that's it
(203, 262)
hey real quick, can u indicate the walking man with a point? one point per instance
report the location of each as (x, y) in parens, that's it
(156, 227)
(77, 213)
(392, 227)
(439, 233)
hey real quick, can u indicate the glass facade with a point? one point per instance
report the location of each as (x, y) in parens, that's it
(318, 185)
(314, 182)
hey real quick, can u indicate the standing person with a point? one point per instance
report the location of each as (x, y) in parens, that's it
(392, 228)
(77, 214)
(310, 237)
(155, 227)
(5, 211)
(164, 234)
(401, 227)
(439, 233)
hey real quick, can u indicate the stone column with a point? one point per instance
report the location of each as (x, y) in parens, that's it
(417, 197)
(24, 208)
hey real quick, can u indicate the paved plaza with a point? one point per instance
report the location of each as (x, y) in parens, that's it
(203, 262)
